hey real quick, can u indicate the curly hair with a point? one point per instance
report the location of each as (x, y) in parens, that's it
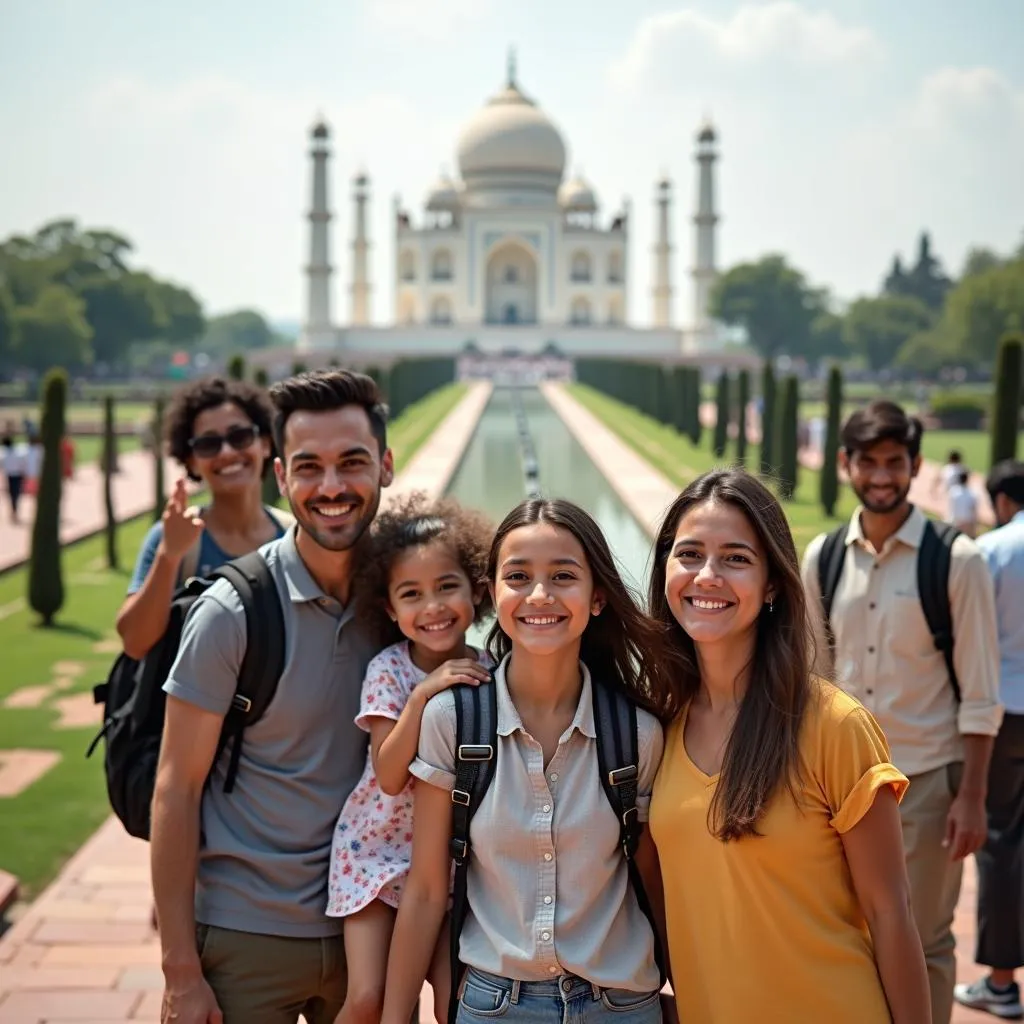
(208, 393)
(409, 523)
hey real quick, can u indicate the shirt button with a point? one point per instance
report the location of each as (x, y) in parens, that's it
(871, 650)
(547, 899)
(869, 692)
(872, 606)
(546, 808)
(554, 776)
(545, 936)
(547, 856)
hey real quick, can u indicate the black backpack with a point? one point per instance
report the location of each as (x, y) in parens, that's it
(134, 700)
(933, 562)
(476, 744)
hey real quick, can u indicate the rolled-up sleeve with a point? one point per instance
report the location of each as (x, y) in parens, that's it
(435, 758)
(976, 647)
(213, 642)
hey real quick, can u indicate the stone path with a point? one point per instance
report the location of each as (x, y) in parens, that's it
(624, 471)
(82, 509)
(84, 951)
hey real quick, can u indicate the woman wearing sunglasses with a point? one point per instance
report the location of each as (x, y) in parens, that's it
(219, 430)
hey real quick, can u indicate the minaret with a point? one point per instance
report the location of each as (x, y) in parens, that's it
(318, 272)
(661, 293)
(360, 253)
(705, 219)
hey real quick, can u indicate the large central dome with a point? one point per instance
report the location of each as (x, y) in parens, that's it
(511, 142)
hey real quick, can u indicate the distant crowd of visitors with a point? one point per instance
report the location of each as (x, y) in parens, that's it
(21, 462)
(759, 784)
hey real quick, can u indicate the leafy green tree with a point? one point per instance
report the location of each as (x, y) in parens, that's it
(45, 578)
(930, 351)
(240, 331)
(981, 308)
(828, 479)
(877, 328)
(6, 325)
(925, 281)
(121, 310)
(789, 455)
(742, 401)
(978, 260)
(1007, 401)
(53, 331)
(772, 301)
(768, 417)
(181, 316)
(721, 434)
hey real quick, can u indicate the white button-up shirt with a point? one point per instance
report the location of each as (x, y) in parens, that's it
(548, 886)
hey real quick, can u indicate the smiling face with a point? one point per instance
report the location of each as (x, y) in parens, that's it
(716, 575)
(231, 469)
(431, 598)
(332, 472)
(543, 591)
(881, 475)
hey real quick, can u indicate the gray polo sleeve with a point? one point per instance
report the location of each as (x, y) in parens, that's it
(213, 641)
(435, 760)
(650, 747)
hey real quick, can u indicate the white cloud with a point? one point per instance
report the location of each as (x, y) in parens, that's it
(435, 21)
(664, 45)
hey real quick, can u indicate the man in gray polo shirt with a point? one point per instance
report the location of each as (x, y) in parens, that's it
(240, 879)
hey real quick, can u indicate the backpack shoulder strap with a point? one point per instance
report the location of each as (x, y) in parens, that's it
(476, 750)
(830, 569)
(934, 558)
(618, 760)
(264, 657)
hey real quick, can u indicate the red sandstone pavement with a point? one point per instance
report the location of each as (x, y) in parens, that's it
(82, 511)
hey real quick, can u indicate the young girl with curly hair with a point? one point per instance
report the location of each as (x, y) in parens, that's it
(424, 576)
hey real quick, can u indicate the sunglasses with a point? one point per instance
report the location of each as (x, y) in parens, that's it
(208, 446)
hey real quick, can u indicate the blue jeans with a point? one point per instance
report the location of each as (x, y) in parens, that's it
(565, 1000)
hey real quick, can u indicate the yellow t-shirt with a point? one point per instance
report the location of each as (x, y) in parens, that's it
(769, 927)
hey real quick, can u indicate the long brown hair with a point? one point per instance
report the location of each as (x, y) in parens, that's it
(622, 644)
(762, 751)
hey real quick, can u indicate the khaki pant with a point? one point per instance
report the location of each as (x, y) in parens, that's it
(934, 878)
(265, 979)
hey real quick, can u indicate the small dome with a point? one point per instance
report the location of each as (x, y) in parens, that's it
(443, 195)
(576, 196)
(510, 135)
(707, 132)
(320, 130)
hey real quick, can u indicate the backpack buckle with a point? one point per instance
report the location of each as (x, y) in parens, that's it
(240, 703)
(460, 796)
(620, 776)
(475, 752)
(458, 848)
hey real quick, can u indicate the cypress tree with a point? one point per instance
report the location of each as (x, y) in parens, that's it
(721, 433)
(298, 367)
(768, 419)
(260, 377)
(236, 367)
(159, 490)
(696, 427)
(787, 437)
(742, 401)
(45, 582)
(1005, 425)
(109, 465)
(829, 478)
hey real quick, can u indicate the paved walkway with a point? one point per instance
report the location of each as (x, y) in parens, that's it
(84, 951)
(647, 493)
(82, 509)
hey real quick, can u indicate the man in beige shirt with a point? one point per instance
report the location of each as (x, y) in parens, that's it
(883, 653)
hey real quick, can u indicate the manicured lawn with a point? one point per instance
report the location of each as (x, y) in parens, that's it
(681, 461)
(43, 825)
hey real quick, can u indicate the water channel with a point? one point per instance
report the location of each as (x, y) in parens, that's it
(492, 476)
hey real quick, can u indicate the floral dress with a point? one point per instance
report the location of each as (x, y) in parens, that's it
(372, 845)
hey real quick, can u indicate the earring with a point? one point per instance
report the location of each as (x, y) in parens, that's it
(771, 605)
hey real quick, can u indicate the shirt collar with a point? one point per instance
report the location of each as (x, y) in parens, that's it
(910, 533)
(1018, 517)
(508, 717)
(301, 585)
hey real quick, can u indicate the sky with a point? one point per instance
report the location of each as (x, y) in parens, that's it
(846, 127)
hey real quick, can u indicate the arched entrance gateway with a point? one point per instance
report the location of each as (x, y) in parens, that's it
(511, 290)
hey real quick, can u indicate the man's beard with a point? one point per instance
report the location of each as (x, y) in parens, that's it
(342, 539)
(890, 504)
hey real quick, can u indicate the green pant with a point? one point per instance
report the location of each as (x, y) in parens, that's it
(265, 979)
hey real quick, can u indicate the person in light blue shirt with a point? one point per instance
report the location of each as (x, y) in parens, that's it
(1001, 861)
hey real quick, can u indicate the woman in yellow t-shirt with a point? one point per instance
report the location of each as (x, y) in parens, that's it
(775, 812)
